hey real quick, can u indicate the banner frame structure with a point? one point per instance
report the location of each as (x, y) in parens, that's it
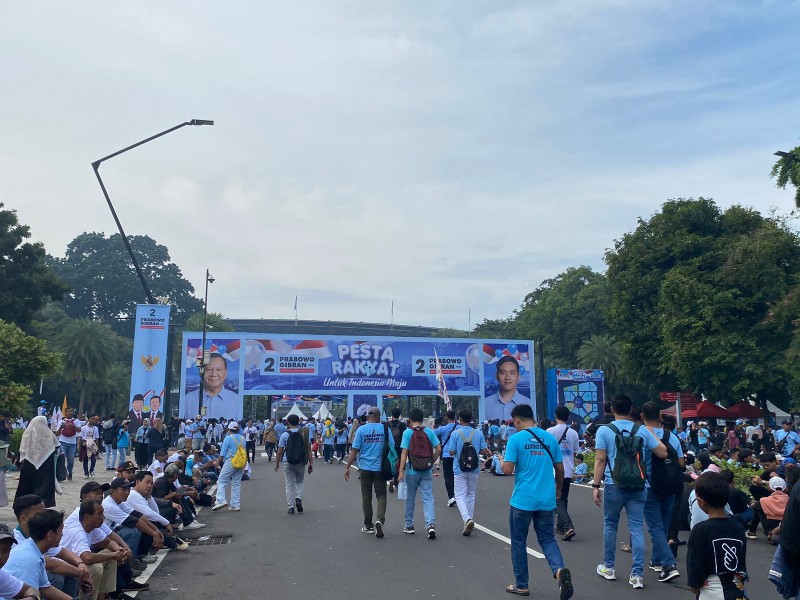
(322, 365)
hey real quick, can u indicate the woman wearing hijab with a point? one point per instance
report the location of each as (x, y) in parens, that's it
(141, 444)
(155, 439)
(38, 451)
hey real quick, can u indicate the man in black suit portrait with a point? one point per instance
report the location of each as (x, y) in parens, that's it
(155, 409)
(135, 415)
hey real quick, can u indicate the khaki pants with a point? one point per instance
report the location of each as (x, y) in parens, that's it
(104, 578)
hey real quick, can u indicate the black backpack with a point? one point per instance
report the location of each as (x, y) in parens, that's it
(468, 457)
(666, 476)
(109, 433)
(397, 427)
(629, 471)
(296, 453)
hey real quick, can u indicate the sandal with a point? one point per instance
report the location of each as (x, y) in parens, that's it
(624, 547)
(569, 535)
(512, 589)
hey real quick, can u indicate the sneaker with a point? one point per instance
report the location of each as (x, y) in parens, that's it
(431, 533)
(69, 476)
(656, 568)
(291, 510)
(378, 529)
(134, 586)
(365, 529)
(636, 581)
(298, 504)
(751, 535)
(147, 558)
(451, 503)
(409, 530)
(181, 545)
(137, 567)
(236, 508)
(565, 584)
(468, 527)
(605, 572)
(668, 574)
(86, 477)
(219, 506)
(194, 525)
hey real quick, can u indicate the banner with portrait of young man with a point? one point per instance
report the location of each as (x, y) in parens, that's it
(149, 369)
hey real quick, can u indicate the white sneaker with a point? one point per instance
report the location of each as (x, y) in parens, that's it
(605, 572)
(219, 506)
(234, 508)
(451, 502)
(194, 525)
(636, 581)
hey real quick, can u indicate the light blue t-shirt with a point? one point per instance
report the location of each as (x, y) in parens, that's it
(26, 563)
(605, 440)
(534, 483)
(341, 436)
(702, 436)
(792, 439)
(369, 441)
(580, 470)
(456, 443)
(284, 439)
(231, 445)
(648, 454)
(443, 432)
(405, 442)
(280, 429)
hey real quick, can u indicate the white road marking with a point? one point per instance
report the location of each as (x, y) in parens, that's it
(503, 538)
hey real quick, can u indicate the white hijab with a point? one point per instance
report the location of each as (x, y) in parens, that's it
(38, 442)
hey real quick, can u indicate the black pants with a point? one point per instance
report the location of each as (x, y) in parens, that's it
(251, 450)
(563, 520)
(447, 468)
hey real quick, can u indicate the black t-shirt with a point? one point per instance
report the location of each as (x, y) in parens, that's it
(738, 501)
(595, 425)
(161, 487)
(716, 547)
(790, 527)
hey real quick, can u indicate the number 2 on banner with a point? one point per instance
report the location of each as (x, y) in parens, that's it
(269, 365)
(420, 366)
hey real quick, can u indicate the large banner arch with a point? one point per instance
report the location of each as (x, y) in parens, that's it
(498, 372)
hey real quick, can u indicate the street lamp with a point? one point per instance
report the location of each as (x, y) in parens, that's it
(96, 167)
(204, 358)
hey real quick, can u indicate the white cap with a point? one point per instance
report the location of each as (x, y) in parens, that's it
(777, 483)
(233, 425)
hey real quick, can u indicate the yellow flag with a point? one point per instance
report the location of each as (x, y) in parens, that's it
(64, 405)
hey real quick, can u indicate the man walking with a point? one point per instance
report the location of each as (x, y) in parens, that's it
(532, 455)
(628, 490)
(368, 444)
(294, 451)
(568, 441)
(444, 433)
(250, 436)
(420, 449)
(465, 465)
(229, 474)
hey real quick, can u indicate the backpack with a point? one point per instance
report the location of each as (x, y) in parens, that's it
(666, 477)
(239, 460)
(69, 428)
(420, 450)
(296, 448)
(388, 457)
(629, 471)
(108, 433)
(468, 457)
(397, 428)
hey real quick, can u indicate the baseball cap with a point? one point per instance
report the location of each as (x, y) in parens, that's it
(127, 466)
(6, 533)
(786, 422)
(93, 486)
(189, 421)
(233, 425)
(120, 482)
(777, 483)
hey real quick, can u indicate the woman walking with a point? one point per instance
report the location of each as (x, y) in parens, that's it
(38, 452)
(123, 443)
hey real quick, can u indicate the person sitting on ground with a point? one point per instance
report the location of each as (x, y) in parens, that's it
(581, 469)
(159, 463)
(141, 499)
(167, 488)
(10, 586)
(131, 525)
(65, 571)
(770, 509)
(738, 501)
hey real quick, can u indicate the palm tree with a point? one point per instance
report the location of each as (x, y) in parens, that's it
(787, 170)
(89, 353)
(600, 352)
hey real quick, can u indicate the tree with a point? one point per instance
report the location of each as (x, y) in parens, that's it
(215, 323)
(28, 283)
(24, 360)
(105, 284)
(89, 353)
(787, 170)
(600, 352)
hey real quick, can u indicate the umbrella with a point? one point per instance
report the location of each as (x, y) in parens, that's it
(746, 410)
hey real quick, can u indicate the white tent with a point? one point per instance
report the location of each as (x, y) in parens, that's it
(323, 413)
(296, 411)
(778, 412)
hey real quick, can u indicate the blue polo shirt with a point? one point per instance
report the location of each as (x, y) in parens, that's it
(456, 443)
(405, 443)
(606, 440)
(534, 482)
(792, 439)
(369, 441)
(26, 563)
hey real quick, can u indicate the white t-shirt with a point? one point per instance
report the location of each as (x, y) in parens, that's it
(10, 586)
(570, 446)
(75, 538)
(89, 432)
(156, 467)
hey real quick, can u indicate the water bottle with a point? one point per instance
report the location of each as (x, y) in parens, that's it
(402, 490)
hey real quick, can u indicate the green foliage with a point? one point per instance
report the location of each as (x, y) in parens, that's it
(24, 360)
(447, 332)
(787, 170)
(105, 284)
(28, 283)
(215, 323)
(588, 458)
(14, 441)
(600, 352)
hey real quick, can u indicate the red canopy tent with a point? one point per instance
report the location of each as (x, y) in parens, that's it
(746, 410)
(708, 410)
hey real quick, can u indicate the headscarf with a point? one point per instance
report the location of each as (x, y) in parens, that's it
(38, 442)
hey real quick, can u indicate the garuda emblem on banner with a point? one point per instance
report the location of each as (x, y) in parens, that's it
(149, 362)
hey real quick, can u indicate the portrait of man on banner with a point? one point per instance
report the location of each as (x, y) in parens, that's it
(219, 396)
(500, 404)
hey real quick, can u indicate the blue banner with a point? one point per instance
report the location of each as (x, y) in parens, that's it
(149, 371)
(581, 391)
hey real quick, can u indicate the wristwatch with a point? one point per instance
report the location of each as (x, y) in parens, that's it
(596, 486)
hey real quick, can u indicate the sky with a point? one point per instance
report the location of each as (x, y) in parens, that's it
(446, 157)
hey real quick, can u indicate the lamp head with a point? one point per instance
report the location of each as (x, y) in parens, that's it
(211, 279)
(201, 122)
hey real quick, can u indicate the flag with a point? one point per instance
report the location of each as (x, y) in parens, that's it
(442, 392)
(64, 404)
(55, 422)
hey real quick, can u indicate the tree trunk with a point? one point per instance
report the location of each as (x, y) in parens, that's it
(83, 396)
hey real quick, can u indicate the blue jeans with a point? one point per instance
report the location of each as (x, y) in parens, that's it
(122, 454)
(132, 537)
(69, 451)
(231, 476)
(657, 515)
(519, 523)
(633, 502)
(745, 517)
(424, 482)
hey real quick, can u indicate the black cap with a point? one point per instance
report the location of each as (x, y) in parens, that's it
(93, 486)
(127, 466)
(6, 533)
(120, 482)
(786, 422)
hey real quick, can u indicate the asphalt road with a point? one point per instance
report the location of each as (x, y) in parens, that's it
(323, 554)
